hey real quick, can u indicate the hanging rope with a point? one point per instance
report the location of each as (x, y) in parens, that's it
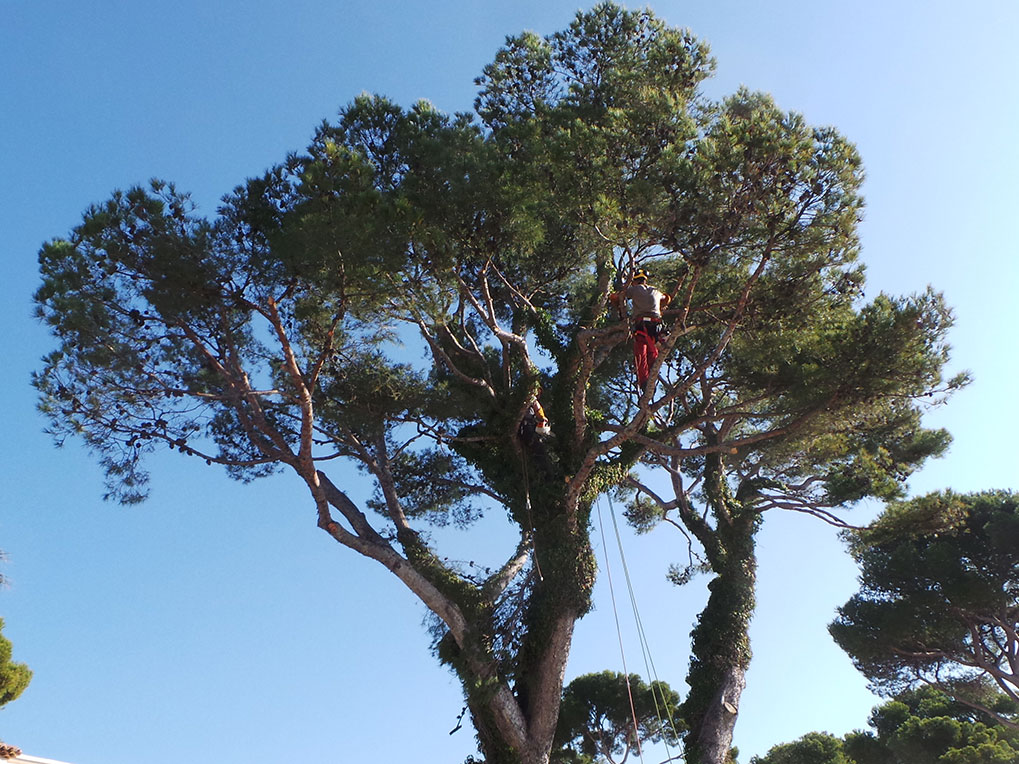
(530, 519)
(649, 665)
(619, 634)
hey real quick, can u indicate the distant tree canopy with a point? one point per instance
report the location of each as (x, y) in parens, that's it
(396, 297)
(939, 599)
(922, 726)
(812, 748)
(608, 717)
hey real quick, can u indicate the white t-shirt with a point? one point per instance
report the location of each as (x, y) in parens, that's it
(646, 301)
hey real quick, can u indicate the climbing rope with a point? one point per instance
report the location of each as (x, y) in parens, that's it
(649, 665)
(530, 519)
(619, 634)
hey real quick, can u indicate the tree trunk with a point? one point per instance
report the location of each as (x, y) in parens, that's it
(714, 739)
(721, 649)
(515, 705)
(546, 695)
(521, 730)
(560, 597)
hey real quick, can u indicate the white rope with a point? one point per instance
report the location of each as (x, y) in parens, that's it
(649, 665)
(619, 634)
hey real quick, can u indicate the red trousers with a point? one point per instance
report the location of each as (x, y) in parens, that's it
(645, 351)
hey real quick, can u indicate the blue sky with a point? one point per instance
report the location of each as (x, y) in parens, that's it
(215, 620)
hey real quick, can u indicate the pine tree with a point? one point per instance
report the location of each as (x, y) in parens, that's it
(277, 336)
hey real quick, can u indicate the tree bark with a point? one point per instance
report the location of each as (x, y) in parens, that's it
(721, 649)
(714, 739)
(543, 713)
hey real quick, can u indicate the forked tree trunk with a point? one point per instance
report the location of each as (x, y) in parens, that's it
(510, 738)
(517, 725)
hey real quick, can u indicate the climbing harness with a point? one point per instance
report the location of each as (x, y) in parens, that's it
(649, 327)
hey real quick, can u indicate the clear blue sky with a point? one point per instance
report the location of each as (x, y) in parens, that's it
(216, 622)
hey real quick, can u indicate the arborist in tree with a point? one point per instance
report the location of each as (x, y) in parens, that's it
(648, 304)
(533, 431)
(535, 423)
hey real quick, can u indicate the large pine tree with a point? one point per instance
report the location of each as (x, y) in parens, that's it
(276, 336)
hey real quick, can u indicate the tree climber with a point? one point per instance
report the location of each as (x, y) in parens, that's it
(534, 423)
(533, 431)
(541, 425)
(648, 304)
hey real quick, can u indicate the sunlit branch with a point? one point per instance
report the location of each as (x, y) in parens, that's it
(501, 579)
(513, 290)
(244, 402)
(808, 509)
(382, 468)
(328, 349)
(442, 358)
(487, 314)
(304, 455)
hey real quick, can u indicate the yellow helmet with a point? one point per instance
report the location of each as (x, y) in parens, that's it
(640, 274)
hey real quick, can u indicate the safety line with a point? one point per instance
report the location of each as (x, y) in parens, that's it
(649, 664)
(530, 519)
(619, 634)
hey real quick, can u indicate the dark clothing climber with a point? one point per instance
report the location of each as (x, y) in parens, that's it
(534, 423)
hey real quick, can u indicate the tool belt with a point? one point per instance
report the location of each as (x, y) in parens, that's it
(649, 327)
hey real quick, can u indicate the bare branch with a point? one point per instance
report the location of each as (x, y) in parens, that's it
(502, 578)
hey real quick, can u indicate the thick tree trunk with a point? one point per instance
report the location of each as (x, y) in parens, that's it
(514, 732)
(520, 730)
(560, 597)
(515, 713)
(543, 711)
(493, 742)
(721, 651)
(514, 704)
(714, 739)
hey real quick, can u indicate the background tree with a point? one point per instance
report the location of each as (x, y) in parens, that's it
(939, 599)
(608, 716)
(812, 748)
(14, 677)
(276, 337)
(922, 726)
